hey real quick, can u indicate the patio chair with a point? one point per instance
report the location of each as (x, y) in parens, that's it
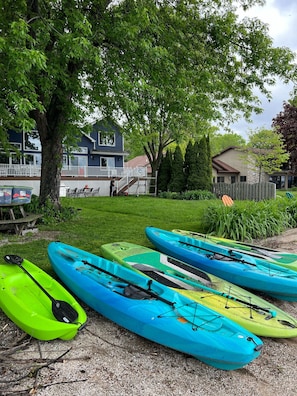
(95, 192)
(71, 192)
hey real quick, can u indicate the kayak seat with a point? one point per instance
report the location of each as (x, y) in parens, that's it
(133, 292)
(220, 257)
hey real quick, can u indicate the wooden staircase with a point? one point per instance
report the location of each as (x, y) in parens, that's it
(125, 183)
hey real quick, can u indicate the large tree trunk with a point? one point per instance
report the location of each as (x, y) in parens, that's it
(154, 158)
(52, 155)
(52, 159)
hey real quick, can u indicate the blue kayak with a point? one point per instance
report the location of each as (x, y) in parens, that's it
(245, 308)
(152, 310)
(236, 267)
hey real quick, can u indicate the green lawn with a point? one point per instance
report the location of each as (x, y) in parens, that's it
(103, 220)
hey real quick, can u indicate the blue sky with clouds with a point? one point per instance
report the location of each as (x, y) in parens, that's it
(281, 18)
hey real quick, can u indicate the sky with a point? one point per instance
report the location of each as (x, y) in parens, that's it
(281, 18)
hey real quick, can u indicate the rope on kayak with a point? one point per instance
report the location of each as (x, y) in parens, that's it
(191, 318)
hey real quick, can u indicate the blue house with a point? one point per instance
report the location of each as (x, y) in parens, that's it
(103, 148)
(98, 158)
(107, 145)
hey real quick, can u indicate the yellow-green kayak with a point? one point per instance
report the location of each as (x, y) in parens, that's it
(250, 311)
(36, 302)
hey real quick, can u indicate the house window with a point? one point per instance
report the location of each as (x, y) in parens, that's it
(78, 160)
(4, 158)
(65, 160)
(11, 158)
(242, 179)
(32, 141)
(80, 150)
(107, 162)
(32, 159)
(280, 181)
(106, 138)
(72, 160)
(233, 179)
(220, 179)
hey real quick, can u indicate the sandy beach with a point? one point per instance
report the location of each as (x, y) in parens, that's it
(104, 359)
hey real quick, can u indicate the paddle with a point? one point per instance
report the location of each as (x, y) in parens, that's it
(221, 242)
(255, 250)
(257, 247)
(62, 310)
(232, 255)
(151, 293)
(67, 254)
(146, 269)
(149, 283)
(282, 271)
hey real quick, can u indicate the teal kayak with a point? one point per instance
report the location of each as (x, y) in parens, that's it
(152, 310)
(236, 267)
(245, 308)
(284, 259)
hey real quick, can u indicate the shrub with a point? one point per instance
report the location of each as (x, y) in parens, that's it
(247, 220)
(188, 195)
(51, 214)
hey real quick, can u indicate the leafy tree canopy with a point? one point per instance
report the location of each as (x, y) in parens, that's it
(266, 151)
(166, 69)
(286, 124)
(220, 142)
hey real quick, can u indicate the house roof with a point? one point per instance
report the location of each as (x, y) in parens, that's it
(89, 137)
(227, 149)
(141, 161)
(222, 167)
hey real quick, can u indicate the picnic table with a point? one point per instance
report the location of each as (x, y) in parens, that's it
(14, 217)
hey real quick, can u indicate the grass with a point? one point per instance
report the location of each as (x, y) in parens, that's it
(103, 220)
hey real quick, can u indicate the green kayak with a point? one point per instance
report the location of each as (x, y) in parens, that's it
(284, 259)
(36, 302)
(245, 308)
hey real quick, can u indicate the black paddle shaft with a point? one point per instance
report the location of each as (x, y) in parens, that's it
(62, 310)
(146, 290)
(231, 255)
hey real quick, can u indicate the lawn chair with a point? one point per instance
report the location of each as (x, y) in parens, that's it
(227, 201)
(88, 191)
(95, 192)
(71, 192)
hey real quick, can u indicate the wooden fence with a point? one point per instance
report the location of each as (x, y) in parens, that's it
(242, 191)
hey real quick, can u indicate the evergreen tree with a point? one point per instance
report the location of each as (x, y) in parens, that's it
(191, 167)
(164, 174)
(203, 157)
(209, 164)
(188, 159)
(177, 182)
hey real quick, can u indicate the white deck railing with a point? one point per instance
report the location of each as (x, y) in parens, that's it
(73, 171)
